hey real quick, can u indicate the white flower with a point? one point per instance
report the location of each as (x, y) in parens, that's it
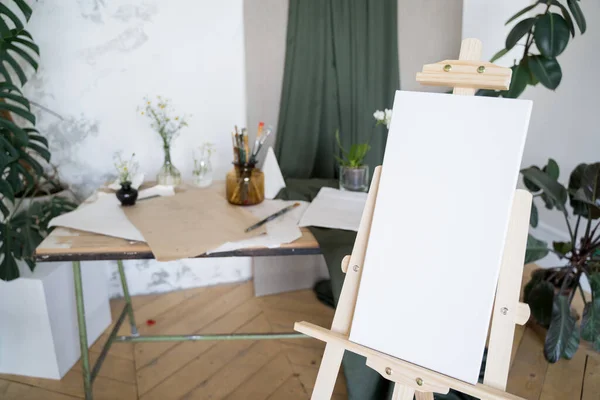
(388, 117)
(383, 117)
(379, 115)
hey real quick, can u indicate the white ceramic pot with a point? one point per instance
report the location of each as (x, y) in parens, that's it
(38, 328)
(38, 320)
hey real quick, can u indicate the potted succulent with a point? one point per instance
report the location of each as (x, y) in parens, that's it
(550, 292)
(354, 174)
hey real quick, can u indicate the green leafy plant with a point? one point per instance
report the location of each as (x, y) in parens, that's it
(550, 31)
(22, 148)
(550, 292)
(353, 158)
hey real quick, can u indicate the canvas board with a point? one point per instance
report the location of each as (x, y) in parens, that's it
(432, 263)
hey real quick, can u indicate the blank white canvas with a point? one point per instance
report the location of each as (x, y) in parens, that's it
(449, 175)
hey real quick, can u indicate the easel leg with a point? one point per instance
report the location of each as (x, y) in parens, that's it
(83, 342)
(328, 372)
(134, 331)
(402, 392)
(424, 395)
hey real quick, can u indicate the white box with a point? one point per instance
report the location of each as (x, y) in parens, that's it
(38, 319)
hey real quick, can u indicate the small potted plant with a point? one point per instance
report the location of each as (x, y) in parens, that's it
(354, 174)
(168, 127)
(550, 292)
(127, 170)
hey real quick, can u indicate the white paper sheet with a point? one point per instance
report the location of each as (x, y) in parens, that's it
(336, 209)
(274, 181)
(448, 180)
(103, 214)
(281, 230)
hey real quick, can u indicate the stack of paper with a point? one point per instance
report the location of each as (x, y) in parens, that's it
(281, 230)
(104, 215)
(335, 209)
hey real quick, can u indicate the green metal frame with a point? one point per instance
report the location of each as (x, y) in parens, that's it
(89, 375)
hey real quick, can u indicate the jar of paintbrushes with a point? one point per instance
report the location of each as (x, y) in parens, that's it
(245, 183)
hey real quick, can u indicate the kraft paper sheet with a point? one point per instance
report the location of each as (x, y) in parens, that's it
(190, 223)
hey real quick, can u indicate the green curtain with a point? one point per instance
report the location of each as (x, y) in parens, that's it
(341, 65)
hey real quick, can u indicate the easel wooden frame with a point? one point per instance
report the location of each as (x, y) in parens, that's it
(465, 75)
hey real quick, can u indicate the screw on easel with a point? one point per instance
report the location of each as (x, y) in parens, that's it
(356, 268)
(388, 371)
(504, 310)
(481, 69)
(419, 381)
(447, 68)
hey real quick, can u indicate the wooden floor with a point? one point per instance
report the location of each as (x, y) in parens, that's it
(274, 370)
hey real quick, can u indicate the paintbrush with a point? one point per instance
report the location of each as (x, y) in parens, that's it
(272, 217)
(261, 125)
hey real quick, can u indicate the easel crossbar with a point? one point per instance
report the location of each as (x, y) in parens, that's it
(411, 375)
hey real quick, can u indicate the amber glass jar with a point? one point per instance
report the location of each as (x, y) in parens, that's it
(245, 185)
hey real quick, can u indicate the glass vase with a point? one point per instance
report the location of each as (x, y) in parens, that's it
(354, 179)
(245, 185)
(203, 172)
(168, 175)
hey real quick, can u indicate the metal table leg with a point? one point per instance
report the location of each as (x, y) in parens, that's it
(83, 341)
(134, 331)
(89, 377)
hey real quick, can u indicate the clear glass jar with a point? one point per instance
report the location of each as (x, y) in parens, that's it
(203, 171)
(354, 179)
(168, 175)
(245, 185)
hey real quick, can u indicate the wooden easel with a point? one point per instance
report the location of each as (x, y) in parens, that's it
(466, 75)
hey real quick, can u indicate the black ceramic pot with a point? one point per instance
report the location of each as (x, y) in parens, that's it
(127, 195)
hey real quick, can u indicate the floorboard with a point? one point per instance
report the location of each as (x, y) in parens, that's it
(257, 370)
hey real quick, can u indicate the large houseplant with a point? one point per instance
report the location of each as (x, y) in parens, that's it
(546, 36)
(550, 292)
(23, 151)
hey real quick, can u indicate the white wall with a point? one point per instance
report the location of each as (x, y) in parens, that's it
(482, 18)
(564, 124)
(428, 31)
(98, 61)
(265, 32)
(100, 58)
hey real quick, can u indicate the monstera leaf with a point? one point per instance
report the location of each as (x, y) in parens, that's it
(24, 231)
(16, 44)
(21, 148)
